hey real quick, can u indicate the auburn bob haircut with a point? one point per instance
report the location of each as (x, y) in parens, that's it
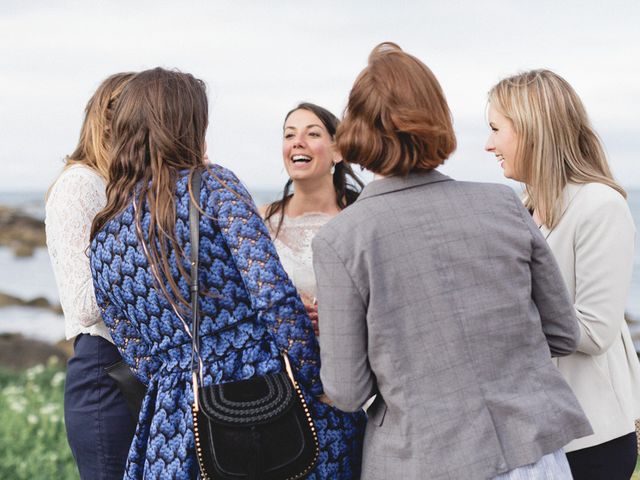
(397, 120)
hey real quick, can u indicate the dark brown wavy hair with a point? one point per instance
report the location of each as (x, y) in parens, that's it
(397, 119)
(158, 130)
(345, 182)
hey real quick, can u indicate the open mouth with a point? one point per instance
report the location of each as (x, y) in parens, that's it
(300, 159)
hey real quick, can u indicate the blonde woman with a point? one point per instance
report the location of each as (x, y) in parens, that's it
(99, 425)
(542, 137)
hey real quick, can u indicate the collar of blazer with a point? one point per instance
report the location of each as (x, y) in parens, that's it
(568, 194)
(395, 183)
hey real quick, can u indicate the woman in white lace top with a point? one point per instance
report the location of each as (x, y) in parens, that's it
(322, 186)
(99, 424)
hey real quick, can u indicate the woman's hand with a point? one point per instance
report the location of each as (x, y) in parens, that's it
(312, 311)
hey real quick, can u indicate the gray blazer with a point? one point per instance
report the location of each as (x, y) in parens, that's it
(443, 298)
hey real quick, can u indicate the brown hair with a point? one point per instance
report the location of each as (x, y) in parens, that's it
(345, 182)
(397, 119)
(92, 148)
(556, 142)
(159, 128)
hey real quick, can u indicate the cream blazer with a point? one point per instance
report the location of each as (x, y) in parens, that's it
(594, 245)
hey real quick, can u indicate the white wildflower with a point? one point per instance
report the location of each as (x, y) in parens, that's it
(12, 391)
(58, 379)
(34, 371)
(48, 409)
(18, 406)
(53, 361)
(32, 419)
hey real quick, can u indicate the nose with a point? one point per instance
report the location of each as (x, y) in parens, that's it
(298, 141)
(489, 146)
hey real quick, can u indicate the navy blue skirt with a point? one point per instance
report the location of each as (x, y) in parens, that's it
(99, 425)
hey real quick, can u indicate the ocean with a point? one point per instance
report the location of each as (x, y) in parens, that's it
(31, 277)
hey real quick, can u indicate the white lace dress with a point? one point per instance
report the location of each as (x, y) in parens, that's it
(294, 249)
(74, 200)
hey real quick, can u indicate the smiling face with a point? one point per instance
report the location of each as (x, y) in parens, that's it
(503, 143)
(307, 148)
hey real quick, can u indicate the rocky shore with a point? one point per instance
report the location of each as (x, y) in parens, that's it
(23, 233)
(7, 300)
(18, 352)
(20, 232)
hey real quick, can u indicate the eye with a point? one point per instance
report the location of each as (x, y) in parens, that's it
(493, 129)
(288, 136)
(314, 134)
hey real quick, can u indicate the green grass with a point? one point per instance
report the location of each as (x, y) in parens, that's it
(33, 442)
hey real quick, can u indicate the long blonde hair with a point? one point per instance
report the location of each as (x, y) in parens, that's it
(556, 143)
(92, 148)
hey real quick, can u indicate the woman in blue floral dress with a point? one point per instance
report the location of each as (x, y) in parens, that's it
(250, 311)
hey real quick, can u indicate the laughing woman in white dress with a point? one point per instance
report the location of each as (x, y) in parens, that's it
(322, 184)
(99, 425)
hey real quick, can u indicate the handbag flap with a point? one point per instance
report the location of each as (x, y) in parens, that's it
(254, 401)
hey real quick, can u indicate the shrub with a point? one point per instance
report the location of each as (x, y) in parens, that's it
(33, 441)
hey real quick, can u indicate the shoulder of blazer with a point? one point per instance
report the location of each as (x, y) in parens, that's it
(584, 202)
(589, 198)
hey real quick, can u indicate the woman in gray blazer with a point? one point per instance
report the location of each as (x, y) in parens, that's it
(542, 136)
(441, 298)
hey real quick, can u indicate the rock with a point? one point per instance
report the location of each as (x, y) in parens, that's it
(23, 250)
(18, 352)
(66, 347)
(20, 232)
(39, 302)
(7, 300)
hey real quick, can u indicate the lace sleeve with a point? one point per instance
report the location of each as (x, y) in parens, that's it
(273, 295)
(74, 201)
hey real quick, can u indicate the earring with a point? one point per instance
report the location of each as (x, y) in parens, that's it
(333, 168)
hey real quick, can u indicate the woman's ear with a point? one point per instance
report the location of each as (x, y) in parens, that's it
(335, 154)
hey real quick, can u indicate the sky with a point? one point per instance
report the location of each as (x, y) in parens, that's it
(260, 58)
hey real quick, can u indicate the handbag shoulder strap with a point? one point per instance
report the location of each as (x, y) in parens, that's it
(194, 230)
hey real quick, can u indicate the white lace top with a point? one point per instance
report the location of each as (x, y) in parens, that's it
(294, 249)
(74, 200)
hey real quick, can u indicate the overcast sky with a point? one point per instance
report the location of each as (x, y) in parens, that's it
(260, 58)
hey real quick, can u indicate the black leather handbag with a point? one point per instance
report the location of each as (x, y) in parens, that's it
(132, 389)
(259, 428)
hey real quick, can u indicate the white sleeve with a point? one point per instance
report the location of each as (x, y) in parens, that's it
(604, 247)
(74, 201)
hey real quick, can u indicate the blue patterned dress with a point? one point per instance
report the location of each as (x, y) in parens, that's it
(253, 296)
